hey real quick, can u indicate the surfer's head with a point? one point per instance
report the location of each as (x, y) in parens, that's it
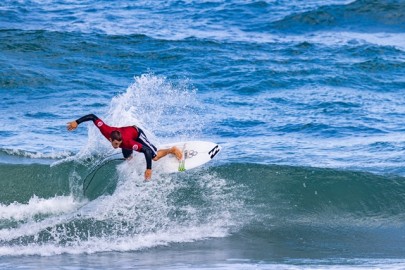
(115, 138)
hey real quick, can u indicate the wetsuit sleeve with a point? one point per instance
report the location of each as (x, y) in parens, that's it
(89, 117)
(148, 157)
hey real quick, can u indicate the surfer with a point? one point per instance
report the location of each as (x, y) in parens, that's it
(129, 138)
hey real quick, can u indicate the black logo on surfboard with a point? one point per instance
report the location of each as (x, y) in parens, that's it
(214, 151)
(189, 154)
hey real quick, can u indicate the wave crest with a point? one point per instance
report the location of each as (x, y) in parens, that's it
(369, 15)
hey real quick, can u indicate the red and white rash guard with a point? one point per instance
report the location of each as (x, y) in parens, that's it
(133, 138)
(129, 134)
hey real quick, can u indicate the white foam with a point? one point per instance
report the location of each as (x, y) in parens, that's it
(116, 243)
(55, 154)
(60, 209)
(147, 102)
(139, 215)
(337, 38)
(38, 206)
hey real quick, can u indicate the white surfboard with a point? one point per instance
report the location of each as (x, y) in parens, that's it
(195, 153)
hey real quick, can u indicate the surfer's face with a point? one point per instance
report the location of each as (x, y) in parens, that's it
(115, 143)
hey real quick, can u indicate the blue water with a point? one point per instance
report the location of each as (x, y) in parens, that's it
(306, 99)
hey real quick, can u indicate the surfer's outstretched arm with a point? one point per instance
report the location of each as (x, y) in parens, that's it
(73, 125)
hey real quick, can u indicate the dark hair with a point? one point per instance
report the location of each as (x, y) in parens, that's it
(116, 135)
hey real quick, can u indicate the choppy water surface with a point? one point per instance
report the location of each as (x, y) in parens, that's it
(306, 100)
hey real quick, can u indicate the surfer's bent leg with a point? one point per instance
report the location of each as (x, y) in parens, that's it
(162, 152)
(148, 149)
(145, 142)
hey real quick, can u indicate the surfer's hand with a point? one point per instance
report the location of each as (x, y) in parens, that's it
(71, 125)
(148, 174)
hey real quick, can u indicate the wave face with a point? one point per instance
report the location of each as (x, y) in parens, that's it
(134, 216)
(280, 208)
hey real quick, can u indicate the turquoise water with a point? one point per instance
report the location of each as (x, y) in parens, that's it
(306, 100)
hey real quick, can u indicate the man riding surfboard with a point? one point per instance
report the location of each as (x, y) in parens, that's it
(128, 138)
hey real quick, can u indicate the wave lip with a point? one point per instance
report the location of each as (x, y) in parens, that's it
(361, 15)
(37, 206)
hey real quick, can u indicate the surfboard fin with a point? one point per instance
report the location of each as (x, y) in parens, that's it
(182, 163)
(182, 166)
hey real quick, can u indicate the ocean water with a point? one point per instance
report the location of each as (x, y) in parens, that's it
(306, 98)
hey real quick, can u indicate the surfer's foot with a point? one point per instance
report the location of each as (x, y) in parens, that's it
(177, 152)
